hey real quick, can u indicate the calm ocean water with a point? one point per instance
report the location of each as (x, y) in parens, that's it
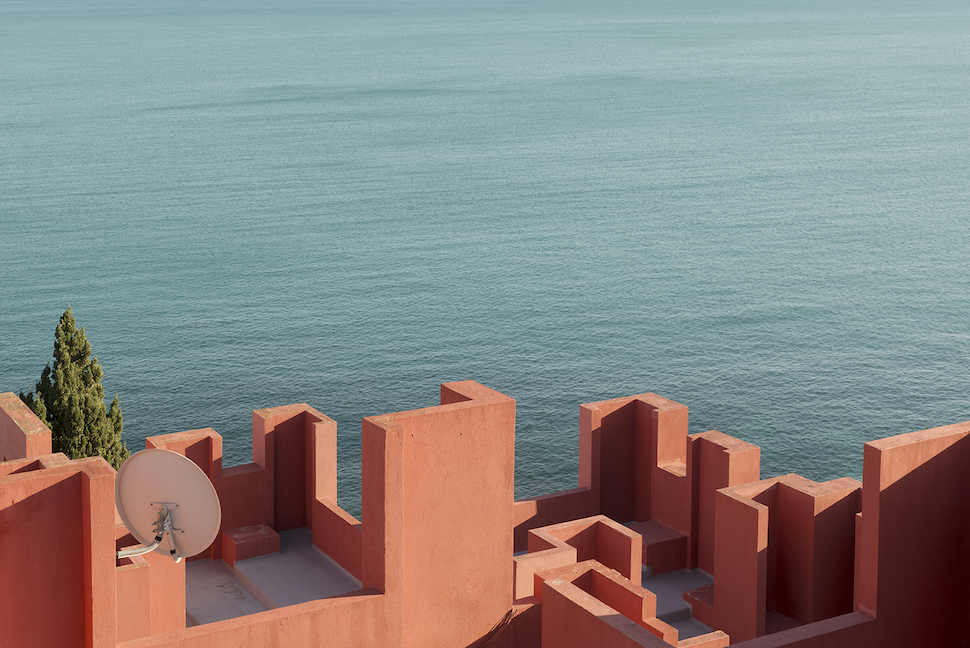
(758, 209)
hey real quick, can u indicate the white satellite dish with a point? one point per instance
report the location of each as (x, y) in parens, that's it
(167, 503)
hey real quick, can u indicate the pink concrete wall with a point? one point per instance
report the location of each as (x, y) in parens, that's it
(910, 563)
(716, 461)
(17, 466)
(620, 548)
(36, 510)
(716, 639)
(440, 482)
(741, 568)
(246, 496)
(816, 547)
(294, 455)
(632, 601)
(339, 535)
(22, 434)
(853, 630)
(662, 490)
(615, 422)
(289, 471)
(528, 565)
(792, 535)
(437, 533)
(98, 543)
(633, 456)
(765, 493)
(834, 536)
(807, 552)
(56, 553)
(915, 520)
(594, 538)
(151, 591)
(347, 622)
(421, 549)
(134, 611)
(286, 444)
(578, 610)
(335, 532)
(321, 461)
(536, 512)
(632, 463)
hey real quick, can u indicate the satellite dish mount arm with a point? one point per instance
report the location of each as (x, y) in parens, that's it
(163, 527)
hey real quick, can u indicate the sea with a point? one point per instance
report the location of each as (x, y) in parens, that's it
(757, 208)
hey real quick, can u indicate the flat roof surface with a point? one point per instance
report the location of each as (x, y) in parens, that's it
(671, 606)
(213, 593)
(298, 573)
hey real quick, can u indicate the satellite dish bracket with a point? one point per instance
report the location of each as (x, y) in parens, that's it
(162, 527)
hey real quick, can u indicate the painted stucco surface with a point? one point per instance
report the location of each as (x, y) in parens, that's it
(445, 557)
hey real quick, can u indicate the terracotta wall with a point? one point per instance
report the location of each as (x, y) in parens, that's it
(662, 491)
(573, 618)
(615, 420)
(440, 482)
(715, 461)
(632, 466)
(587, 604)
(536, 512)
(435, 546)
(345, 622)
(594, 538)
(740, 579)
(915, 523)
(151, 593)
(134, 586)
(292, 463)
(22, 434)
(437, 500)
(784, 544)
(56, 555)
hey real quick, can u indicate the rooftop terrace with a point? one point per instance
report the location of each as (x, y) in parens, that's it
(300, 572)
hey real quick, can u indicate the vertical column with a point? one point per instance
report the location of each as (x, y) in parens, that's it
(717, 461)
(740, 578)
(98, 546)
(590, 419)
(321, 463)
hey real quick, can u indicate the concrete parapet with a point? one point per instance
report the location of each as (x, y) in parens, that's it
(437, 512)
(595, 538)
(151, 591)
(797, 564)
(784, 544)
(588, 604)
(22, 434)
(543, 556)
(57, 553)
(715, 461)
(338, 534)
(716, 639)
(553, 508)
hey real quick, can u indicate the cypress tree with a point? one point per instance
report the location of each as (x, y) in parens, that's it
(70, 399)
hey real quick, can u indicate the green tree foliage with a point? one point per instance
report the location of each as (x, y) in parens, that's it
(70, 399)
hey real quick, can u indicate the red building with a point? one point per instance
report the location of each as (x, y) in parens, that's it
(669, 539)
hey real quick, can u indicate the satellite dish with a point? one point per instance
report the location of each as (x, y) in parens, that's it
(167, 503)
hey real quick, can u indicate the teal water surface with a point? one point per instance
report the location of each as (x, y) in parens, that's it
(757, 209)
